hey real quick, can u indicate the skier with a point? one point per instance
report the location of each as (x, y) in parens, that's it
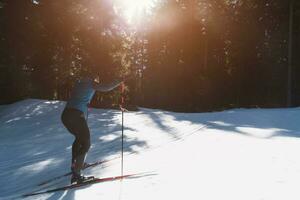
(73, 118)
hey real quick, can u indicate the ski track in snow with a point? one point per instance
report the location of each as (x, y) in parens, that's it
(239, 154)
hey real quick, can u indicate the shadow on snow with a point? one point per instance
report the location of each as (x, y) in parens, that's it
(35, 146)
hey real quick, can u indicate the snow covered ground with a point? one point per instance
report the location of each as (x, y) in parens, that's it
(240, 154)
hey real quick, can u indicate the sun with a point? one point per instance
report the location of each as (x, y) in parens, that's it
(135, 11)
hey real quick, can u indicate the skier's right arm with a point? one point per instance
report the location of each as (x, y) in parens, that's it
(106, 87)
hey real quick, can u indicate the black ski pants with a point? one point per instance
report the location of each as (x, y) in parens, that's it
(76, 124)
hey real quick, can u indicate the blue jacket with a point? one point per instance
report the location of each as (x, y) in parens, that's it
(84, 91)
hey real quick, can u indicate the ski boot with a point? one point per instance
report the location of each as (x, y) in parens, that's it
(78, 178)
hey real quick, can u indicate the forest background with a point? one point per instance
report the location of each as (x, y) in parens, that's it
(180, 55)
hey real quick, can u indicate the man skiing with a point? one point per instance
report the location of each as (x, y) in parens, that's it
(73, 118)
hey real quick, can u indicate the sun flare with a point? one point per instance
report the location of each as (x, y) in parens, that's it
(135, 11)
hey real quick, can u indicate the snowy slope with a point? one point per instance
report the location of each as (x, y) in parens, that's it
(240, 154)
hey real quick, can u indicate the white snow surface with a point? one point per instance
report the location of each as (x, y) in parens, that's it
(239, 154)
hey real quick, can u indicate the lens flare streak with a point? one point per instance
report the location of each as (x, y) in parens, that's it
(134, 11)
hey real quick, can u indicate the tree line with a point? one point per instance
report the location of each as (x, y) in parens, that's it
(189, 55)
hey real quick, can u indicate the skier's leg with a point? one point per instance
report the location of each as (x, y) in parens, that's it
(83, 138)
(76, 124)
(75, 151)
(81, 149)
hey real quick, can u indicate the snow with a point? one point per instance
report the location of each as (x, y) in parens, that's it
(248, 154)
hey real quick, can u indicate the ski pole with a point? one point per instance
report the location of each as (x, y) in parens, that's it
(122, 88)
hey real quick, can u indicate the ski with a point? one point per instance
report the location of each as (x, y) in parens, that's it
(70, 173)
(88, 182)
